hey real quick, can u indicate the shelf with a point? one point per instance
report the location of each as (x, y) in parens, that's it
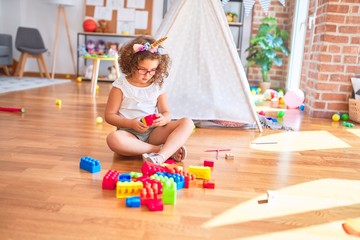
(107, 34)
(235, 24)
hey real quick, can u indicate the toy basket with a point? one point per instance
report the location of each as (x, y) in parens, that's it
(354, 110)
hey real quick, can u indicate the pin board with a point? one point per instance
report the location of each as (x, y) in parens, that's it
(133, 17)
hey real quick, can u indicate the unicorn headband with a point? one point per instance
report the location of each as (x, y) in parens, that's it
(153, 48)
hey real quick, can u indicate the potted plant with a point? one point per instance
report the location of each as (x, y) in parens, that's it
(267, 47)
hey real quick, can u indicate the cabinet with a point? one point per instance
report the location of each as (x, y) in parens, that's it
(231, 9)
(84, 65)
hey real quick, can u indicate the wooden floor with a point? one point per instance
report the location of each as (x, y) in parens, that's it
(44, 194)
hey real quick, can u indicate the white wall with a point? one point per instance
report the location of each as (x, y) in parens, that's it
(42, 15)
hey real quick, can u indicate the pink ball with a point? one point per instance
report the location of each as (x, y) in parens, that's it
(294, 98)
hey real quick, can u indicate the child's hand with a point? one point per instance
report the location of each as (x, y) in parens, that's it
(159, 121)
(139, 126)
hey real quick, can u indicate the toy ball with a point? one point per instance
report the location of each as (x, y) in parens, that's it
(79, 79)
(58, 102)
(302, 107)
(67, 76)
(294, 98)
(281, 114)
(336, 117)
(89, 25)
(345, 117)
(99, 120)
(282, 101)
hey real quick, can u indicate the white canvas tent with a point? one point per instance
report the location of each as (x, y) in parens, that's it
(207, 80)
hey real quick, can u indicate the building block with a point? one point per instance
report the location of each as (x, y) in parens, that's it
(208, 163)
(149, 169)
(110, 179)
(178, 179)
(155, 184)
(135, 174)
(90, 164)
(209, 184)
(133, 202)
(200, 172)
(169, 192)
(149, 119)
(148, 193)
(125, 177)
(173, 168)
(128, 189)
(155, 205)
(190, 180)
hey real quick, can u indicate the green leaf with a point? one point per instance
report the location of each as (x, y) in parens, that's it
(263, 30)
(270, 54)
(278, 61)
(277, 42)
(285, 50)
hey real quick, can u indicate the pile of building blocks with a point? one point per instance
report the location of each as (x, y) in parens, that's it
(155, 186)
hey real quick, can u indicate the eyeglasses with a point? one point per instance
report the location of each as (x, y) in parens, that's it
(144, 71)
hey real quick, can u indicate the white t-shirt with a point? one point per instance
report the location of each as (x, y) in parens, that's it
(138, 101)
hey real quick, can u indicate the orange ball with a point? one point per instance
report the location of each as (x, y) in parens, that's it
(89, 25)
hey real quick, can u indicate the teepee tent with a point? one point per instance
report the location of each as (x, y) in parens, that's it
(207, 80)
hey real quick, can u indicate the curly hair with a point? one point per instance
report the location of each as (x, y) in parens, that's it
(129, 60)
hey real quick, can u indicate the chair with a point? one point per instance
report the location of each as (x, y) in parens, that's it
(30, 43)
(6, 57)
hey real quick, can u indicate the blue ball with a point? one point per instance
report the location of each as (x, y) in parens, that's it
(302, 107)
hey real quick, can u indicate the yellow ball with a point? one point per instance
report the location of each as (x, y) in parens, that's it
(282, 101)
(336, 117)
(58, 102)
(79, 79)
(99, 120)
(67, 76)
(97, 87)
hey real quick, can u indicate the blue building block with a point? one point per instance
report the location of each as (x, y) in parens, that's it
(178, 179)
(125, 177)
(133, 202)
(90, 164)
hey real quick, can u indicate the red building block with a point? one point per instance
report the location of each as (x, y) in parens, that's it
(155, 205)
(110, 179)
(149, 169)
(209, 184)
(149, 119)
(208, 163)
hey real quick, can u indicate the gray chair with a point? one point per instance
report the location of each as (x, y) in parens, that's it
(30, 43)
(6, 56)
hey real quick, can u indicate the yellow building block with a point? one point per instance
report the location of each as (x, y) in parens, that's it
(200, 172)
(128, 189)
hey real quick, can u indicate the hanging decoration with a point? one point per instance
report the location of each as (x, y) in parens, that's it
(248, 4)
(282, 2)
(223, 2)
(265, 4)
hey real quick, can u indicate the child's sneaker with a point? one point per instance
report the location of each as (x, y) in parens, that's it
(156, 158)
